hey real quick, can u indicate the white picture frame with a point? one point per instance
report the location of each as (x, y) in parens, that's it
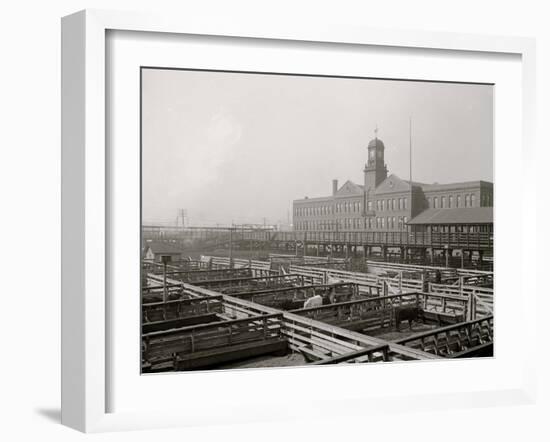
(85, 206)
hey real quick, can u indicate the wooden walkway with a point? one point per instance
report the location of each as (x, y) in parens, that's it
(468, 241)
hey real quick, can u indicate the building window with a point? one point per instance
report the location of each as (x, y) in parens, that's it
(473, 201)
(467, 201)
(369, 205)
(458, 202)
(450, 201)
(436, 202)
(383, 223)
(405, 203)
(383, 205)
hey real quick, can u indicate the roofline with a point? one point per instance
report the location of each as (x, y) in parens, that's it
(454, 223)
(416, 186)
(449, 186)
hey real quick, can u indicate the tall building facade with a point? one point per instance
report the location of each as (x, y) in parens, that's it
(385, 202)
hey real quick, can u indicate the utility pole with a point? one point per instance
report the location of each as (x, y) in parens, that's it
(231, 247)
(183, 215)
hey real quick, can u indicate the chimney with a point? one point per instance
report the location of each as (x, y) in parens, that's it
(334, 186)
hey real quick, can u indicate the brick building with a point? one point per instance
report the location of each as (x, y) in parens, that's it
(385, 202)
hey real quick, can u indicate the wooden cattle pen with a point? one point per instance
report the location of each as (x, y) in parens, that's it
(216, 312)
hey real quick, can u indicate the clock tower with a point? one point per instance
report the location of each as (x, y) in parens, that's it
(375, 168)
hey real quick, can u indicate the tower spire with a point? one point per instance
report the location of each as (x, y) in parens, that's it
(376, 131)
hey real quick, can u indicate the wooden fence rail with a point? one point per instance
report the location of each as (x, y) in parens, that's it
(181, 308)
(452, 339)
(206, 344)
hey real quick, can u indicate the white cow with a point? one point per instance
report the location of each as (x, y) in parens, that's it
(314, 301)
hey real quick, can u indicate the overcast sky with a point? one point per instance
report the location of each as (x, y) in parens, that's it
(240, 147)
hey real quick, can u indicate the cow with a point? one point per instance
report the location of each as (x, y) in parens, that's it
(314, 301)
(408, 313)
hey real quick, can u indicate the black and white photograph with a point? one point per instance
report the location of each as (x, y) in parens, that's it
(275, 221)
(292, 220)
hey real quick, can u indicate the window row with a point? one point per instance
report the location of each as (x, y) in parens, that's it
(390, 204)
(343, 207)
(344, 223)
(388, 223)
(352, 207)
(454, 201)
(380, 223)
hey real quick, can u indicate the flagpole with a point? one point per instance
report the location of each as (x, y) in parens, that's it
(410, 164)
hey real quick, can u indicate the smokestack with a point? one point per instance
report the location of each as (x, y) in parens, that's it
(334, 186)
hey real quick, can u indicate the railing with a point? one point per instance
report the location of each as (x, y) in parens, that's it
(180, 308)
(207, 275)
(471, 240)
(307, 260)
(256, 268)
(377, 312)
(253, 283)
(369, 284)
(470, 276)
(373, 354)
(453, 339)
(483, 297)
(373, 285)
(289, 298)
(163, 349)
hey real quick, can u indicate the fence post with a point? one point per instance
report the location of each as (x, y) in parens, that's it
(474, 298)
(471, 301)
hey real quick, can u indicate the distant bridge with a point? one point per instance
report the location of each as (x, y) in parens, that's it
(476, 241)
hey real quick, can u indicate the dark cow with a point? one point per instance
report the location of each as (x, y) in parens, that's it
(408, 313)
(329, 298)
